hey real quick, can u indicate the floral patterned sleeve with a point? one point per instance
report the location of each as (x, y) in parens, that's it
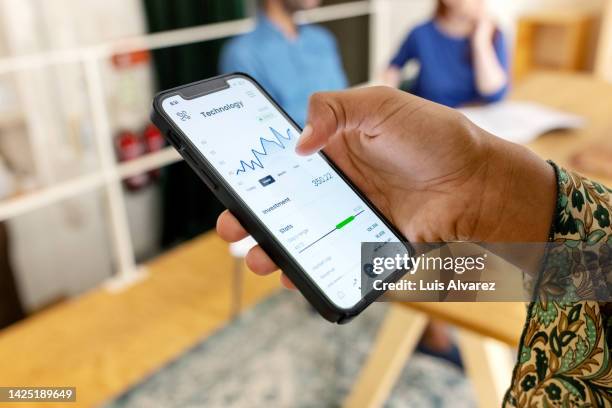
(564, 355)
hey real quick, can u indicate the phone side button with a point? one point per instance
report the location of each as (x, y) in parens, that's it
(201, 171)
(211, 184)
(175, 141)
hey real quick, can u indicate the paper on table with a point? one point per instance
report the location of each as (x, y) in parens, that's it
(521, 122)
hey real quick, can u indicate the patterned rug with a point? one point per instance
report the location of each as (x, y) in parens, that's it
(282, 354)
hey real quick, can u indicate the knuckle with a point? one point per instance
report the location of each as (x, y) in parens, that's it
(316, 99)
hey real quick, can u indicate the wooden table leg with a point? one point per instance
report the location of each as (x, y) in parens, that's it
(395, 342)
(488, 365)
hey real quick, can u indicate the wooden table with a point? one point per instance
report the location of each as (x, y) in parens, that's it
(102, 343)
(576, 93)
(478, 322)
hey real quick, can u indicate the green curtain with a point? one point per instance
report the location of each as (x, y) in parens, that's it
(188, 207)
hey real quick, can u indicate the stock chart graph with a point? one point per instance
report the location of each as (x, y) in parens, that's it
(278, 140)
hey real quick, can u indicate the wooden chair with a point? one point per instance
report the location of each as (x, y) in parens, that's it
(552, 39)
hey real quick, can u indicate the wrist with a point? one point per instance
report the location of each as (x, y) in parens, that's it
(519, 197)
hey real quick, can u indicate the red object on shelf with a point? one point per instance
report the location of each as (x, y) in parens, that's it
(154, 142)
(130, 59)
(130, 147)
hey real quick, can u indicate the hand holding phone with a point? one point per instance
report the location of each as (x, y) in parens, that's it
(429, 170)
(302, 210)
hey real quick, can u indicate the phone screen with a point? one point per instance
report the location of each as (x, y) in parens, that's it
(302, 201)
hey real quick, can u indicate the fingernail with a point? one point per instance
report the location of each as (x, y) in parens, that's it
(306, 133)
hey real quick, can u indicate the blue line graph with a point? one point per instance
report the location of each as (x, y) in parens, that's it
(279, 140)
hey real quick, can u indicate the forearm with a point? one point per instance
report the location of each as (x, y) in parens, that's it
(489, 73)
(527, 200)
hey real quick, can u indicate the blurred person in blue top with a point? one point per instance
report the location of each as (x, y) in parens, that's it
(290, 61)
(462, 56)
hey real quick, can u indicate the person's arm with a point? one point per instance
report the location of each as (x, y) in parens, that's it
(568, 325)
(581, 236)
(490, 61)
(393, 75)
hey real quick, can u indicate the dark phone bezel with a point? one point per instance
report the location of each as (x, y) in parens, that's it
(232, 200)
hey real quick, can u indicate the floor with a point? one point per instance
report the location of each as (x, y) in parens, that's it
(280, 353)
(102, 343)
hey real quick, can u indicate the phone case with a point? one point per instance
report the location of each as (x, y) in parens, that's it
(233, 202)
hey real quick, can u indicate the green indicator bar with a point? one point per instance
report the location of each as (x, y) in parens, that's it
(347, 221)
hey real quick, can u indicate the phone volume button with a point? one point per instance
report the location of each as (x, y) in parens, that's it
(207, 180)
(175, 141)
(202, 171)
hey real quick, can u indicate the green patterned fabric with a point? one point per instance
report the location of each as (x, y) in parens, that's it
(564, 355)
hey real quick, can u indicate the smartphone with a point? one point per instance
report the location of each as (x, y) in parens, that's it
(303, 211)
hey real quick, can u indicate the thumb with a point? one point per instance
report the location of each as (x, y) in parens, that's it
(330, 113)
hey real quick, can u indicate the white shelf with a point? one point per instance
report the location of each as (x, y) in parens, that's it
(164, 157)
(21, 204)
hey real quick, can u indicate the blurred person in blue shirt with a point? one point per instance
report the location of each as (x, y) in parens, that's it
(290, 61)
(462, 55)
